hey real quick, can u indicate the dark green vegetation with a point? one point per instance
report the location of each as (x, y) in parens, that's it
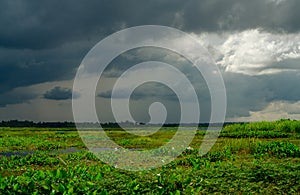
(247, 159)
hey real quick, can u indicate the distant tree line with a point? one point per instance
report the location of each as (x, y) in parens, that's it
(26, 123)
(67, 124)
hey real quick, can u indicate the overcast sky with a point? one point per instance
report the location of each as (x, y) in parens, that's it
(256, 45)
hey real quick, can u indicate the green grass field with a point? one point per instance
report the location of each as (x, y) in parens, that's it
(247, 159)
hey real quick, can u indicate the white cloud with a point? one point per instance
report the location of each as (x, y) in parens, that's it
(254, 51)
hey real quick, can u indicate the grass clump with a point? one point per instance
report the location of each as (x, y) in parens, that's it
(276, 149)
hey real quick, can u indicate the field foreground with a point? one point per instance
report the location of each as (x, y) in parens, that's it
(247, 159)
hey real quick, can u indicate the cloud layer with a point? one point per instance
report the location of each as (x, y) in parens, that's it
(58, 93)
(255, 43)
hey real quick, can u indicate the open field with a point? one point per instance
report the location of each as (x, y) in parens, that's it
(249, 158)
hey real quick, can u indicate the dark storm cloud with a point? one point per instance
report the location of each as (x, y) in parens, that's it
(37, 38)
(150, 90)
(16, 97)
(59, 93)
(284, 86)
(20, 68)
(254, 93)
(51, 25)
(36, 24)
(213, 15)
(139, 55)
(244, 93)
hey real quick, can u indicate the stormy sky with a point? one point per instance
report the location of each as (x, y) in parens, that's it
(255, 44)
